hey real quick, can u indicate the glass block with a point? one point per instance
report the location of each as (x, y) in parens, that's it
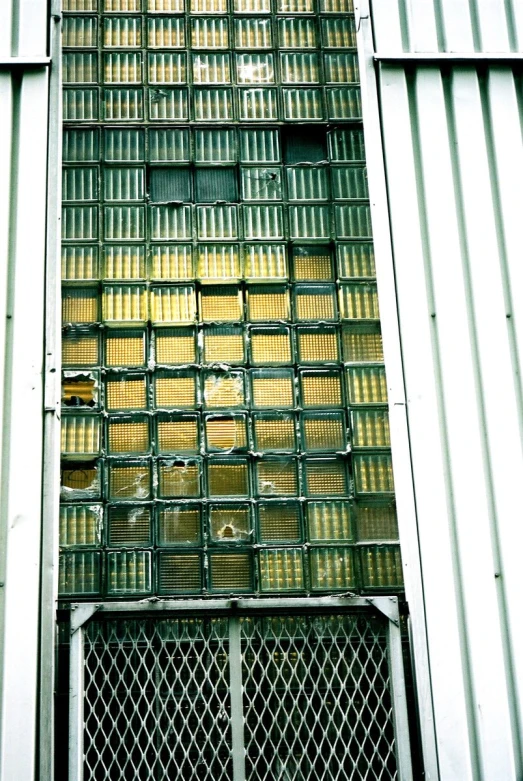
(312, 263)
(296, 33)
(306, 183)
(366, 385)
(281, 570)
(128, 572)
(341, 68)
(356, 260)
(174, 305)
(130, 480)
(79, 31)
(225, 433)
(179, 524)
(175, 346)
(168, 104)
(223, 344)
(336, 6)
(317, 344)
(122, 68)
(80, 347)
(80, 105)
(124, 184)
(80, 305)
(262, 184)
(263, 222)
(79, 223)
(279, 522)
(300, 104)
(123, 104)
(215, 184)
(122, 31)
(252, 6)
(80, 437)
(274, 433)
(299, 68)
(310, 222)
(373, 473)
(166, 6)
(129, 526)
(80, 184)
(170, 223)
(211, 68)
(254, 68)
(325, 477)
(294, 6)
(329, 521)
(362, 344)
(332, 568)
(80, 264)
(124, 222)
(217, 222)
(80, 524)
(215, 146)
(179, 479)
(376, 521)
(128, 434)
(258, 104)
(221, 304)
(179, 573)
(124, 262)
(124, 145)
(321, 388)
(339, 32)
(346, 145)
(167, 68)
(359, 301)
(125, 391)
(277, 477)
(265, 262)
(80, 5)
(209, 33)
(272, 388)
(260, 146)
(125, 348)
(230, 572)
(224, 390)
(124, 304)
(172, 262)
(230, 523)
(178, 434)
(268, 303)
(79, 573)
(169, 145)
(349, 183)
(122, 6)
(370, 428)
(315, 302)
(166, 32)
(381, 566)
(81, 481)
(213, 105)
(343, 102)
(175, 389)
(81, 146)
(228, 477)
(270, 346)
(80, 388)
(323, 431)
(252, 33)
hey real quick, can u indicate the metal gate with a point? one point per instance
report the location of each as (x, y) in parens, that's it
(265, 690)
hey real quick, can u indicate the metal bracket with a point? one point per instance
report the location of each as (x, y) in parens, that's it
(80, 614)
(387, 606)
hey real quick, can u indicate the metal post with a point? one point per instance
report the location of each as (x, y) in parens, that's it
(76, 706)
(399, 701)
(235, 677)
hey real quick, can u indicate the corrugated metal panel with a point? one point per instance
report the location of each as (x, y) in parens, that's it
(454, 168)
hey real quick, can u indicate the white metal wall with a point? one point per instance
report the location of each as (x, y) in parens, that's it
(451, 125)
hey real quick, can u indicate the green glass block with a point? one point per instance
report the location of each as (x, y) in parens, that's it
(79, 573)
(329, 521)
(179, 573)
(129, 526)
(332, 568)
(178, 524)
(281, 570)
(230, 572)
(370, 428)
(279, 522)
(381, 566)
(128, 572)
(373, 473)
(228, 477)
(376, 521)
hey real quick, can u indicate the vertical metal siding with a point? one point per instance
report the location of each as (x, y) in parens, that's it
(454, 167)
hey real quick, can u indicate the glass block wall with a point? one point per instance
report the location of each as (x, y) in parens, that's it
(224, 425)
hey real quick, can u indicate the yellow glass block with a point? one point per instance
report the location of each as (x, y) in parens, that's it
(359, 302)
(367, 385)
(373, 474)
(178, 524)
(84, 479)
(128, 436)
(219, 263)
(318, 306)
(80, 524)
(281, 570)
(124, 350)
(80, 306)
(124, 304)
(179, 480)
(317, 346)
(172, 262)
(79, 387)
(175, 392)
(231, 571)
(370, 428)
(221, 305)
(223, 347)
(123, 394)
(179, 573)
(310, 267)
(359, 346)
(225, 433)
(230, 523)
(329, 521)
(223, 391)
(124, 262)
(332, 568)
(268, 305)
(326, 478)
(324, 433)
(273, 392)
(279, 522)
(271, 348)
(130, 481)
(381, 566)
(80, 435)
(228, 479)
(80, 349)
(376, 522)
(178, 436)
(321, 390)
(173, 304)
(277, 478)
(175, 346)
(275, 434)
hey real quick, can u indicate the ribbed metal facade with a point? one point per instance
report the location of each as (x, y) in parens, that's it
(451, 129)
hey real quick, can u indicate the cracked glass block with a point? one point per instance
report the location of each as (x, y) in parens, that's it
(81, 481)
(225, 433)
(129, 479)
(277, 477)
(129, 526)
(223, 390)
(179, 479)
(230, 523)
(179, 524)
